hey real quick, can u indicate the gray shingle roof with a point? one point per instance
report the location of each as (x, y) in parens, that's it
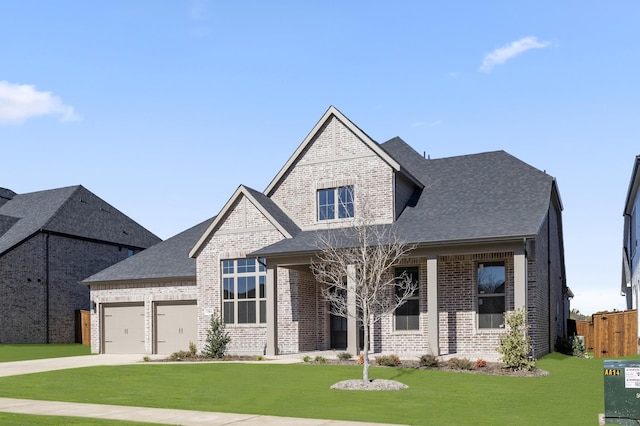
(72, 211)
(491, 195)
(168, 259)
(276, 212)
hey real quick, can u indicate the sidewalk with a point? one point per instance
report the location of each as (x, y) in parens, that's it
(137, 414)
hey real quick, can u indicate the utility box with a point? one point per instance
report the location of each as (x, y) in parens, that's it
(622, 392)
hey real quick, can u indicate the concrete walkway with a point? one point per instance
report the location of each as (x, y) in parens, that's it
(136, 414)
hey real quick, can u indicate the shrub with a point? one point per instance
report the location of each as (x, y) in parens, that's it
(321, 359)
(578, 347)
(217, 338)
(481, 363)
(179, 356)
(344, 356)
(514, 344)
(259, 358)
(388, 360)
(306, 358)
(192, 349)
(563, 345)
(428, 361)
(146, 358)
(360, 360)
(460, 364)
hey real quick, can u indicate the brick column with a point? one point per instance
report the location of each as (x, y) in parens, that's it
(520, 279)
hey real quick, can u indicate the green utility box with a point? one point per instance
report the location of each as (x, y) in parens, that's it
(622, 392)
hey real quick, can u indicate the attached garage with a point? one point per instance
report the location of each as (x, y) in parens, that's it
(123, 328)
(175, 326)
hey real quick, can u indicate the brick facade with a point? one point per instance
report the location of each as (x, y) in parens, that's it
(40, 286)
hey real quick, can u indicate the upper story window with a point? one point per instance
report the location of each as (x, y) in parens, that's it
(244, 283)
(408, 314)
(335, 203)
(491, 295)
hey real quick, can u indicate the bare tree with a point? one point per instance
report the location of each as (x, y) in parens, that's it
(358, 263)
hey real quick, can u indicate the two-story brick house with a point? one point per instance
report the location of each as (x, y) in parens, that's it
(49, 241)
(487, 231)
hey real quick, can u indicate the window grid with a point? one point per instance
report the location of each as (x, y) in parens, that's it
(336, 201)
(244, 291)
(407, 316)
(491, 295)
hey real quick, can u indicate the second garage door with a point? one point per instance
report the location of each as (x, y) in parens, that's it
(123, 328)
(176, 325)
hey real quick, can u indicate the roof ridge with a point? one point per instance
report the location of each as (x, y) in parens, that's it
(63, 205)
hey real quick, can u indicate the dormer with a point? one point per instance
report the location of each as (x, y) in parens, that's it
(338, 174)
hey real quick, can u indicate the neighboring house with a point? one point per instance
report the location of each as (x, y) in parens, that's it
(49, 242)
(147, 303)
(630, 249)
(487, 231)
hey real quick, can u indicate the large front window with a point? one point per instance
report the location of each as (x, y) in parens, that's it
(244, 291)
(408, 314)
(335, 203)
(491, 296)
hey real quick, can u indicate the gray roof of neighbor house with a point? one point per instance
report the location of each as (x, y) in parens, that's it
(486, 196)
(168, 259)
(72, 211)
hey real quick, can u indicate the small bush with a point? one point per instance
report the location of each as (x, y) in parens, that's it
(217, 338)
(179, 356)
(321, 359)
(259, 358)
(514, 344)
(146, 358)
(428, 361)
(578, 347)
(306, 358)
(360, 360)
(192, 349)
(460, 364)
(563, 345)
(481, 363)
(344, 356)
(388, 360)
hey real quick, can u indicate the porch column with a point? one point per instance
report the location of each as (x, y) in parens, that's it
(432, 305)
(352, 323)
(520, 279)
(272, 317)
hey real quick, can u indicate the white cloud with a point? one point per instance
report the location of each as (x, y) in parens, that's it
(504, 53)
(19, 102)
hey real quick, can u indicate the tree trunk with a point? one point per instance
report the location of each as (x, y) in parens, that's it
(365, 351)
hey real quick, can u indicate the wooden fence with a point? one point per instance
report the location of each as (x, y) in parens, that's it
(610, 334)
(83, 327)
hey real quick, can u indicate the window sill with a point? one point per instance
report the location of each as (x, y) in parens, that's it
(490, 330)
(254, 325)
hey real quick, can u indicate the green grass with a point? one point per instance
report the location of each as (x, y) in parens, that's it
(26, 352)
(572, 394)
(12, 419)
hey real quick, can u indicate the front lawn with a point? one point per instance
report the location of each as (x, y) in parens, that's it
(13, 419)
(26, 352)
(572, 394)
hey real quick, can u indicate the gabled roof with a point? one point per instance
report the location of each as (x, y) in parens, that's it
(168, 259)
(72, 211)
(333, 112)
(264, 204)
(490, 196)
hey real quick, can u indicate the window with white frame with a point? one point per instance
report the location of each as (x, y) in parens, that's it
(335, 203)
(491, 296)
(244, 283)
(407, 315)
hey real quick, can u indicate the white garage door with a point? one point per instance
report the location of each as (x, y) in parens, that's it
(123, 328)
(176, 325)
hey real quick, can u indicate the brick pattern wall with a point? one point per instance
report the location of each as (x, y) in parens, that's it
(243, 230)
(457, 302)
(385, 338)
(23, 286)
(147, 292)
(336, 157)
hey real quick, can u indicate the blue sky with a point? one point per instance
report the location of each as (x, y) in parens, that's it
(164, 108)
